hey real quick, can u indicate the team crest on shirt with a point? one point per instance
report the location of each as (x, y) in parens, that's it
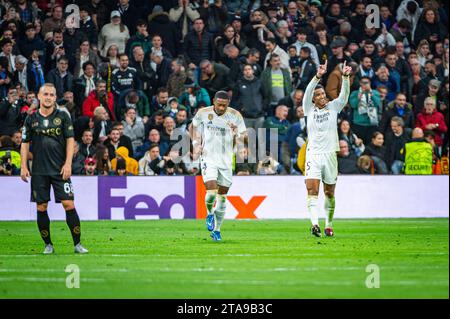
(45, 122)
(57, 121)
(210, 118)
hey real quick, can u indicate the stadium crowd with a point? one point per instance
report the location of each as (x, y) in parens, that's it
(131, 73)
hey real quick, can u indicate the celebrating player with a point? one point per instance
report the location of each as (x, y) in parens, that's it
(51, 133)
(323, 143)
(214, 132)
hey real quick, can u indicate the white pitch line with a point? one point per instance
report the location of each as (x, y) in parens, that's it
(44, 279)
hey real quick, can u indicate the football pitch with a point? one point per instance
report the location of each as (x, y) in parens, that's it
(256, 259)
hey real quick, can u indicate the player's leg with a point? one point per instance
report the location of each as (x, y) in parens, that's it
(210, 174)
(329, 186)
(224, 182)
(312, 187)
(210, 199)
(64, 194)
(313, 176)
(330, 204)
(40, 193)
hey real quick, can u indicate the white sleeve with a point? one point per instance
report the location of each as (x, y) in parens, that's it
(309, 93)
(197, 120)
(339, 103)
(240, 124)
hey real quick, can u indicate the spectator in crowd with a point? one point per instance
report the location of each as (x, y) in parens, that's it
(10, 160)
(56, 21)
(115, 32)
(377, 153)
(128, 13)
(132, 165)
(124, 78)
(17, 140)
(307, 68)
(432, 90)
(103, 162)
(90, 167)
(138, 100)
(101, 124)
(410, 11)
(367, 109)
(430, 28)
(133, 127)
(20, 73)
(87, 25)
(160, 24)
(152, 163)
(276, 83)
(423, 52)
(268, 166)
(272, 48)
(141, 39)
(175, 82)
(121, 168)
(85, 54)
(418, 155)
(280, 123)
(35, 72)
(355, 144)
(87, 148)
(249, 100)
(56, 49)
(252, 57)
(184, 16)
(144, 70)
(159, 102)
(347, 161)
(213, 77)
(85, 84)
(194, 96)
(6, 46)
(157, 47)
(77, 160)
(384, 77)
(229, 36)
(198, 45)
(432, 120)
(61, 78)
(401, 108)
(162, 67)
(395, 144)
(293, 101)
(99, 97)
(154, 137)
(431, 74)
(10, 117)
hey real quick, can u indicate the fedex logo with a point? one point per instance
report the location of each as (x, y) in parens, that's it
(144, 204)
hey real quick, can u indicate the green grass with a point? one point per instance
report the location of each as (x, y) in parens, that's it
(256, 259)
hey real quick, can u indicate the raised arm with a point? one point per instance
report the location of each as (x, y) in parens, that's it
(342, 99)
(309, 92)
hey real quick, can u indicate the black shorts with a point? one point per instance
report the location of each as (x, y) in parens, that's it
(40, 188)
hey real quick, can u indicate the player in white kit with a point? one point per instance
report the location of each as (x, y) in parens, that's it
(323, 145)
(214, 132)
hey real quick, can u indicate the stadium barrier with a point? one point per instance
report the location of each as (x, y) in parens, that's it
(250, 197)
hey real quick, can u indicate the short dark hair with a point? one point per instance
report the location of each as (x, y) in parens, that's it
(63, 58)
(272, 40)
(162, 89)
(252, 51)
(116, 125)
(152, 146)
(221, 95)
(141, 22)
(369, 41)
(365, 78)
(121, 55)
(86, 64)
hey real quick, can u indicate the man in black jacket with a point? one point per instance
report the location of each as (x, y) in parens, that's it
(248, 98)
(61, 78)
(10, 117)
(198, 45)
(395, 144)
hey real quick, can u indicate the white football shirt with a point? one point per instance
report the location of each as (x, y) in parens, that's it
(217, 136)
(322, 123)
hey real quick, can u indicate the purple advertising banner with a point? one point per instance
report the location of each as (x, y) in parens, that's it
(143, 202)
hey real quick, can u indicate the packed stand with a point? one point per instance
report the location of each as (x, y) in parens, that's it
(133, 73)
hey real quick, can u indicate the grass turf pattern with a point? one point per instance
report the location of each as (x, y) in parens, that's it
(256, 259)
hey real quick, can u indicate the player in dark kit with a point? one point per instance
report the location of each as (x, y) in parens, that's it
(51, 133)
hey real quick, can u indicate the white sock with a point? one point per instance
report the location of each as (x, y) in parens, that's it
(210, 198)
(330, 204)
(313, 209)
(219, 212)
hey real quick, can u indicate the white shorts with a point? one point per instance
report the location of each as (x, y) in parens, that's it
(210, 172)
(322, 166)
